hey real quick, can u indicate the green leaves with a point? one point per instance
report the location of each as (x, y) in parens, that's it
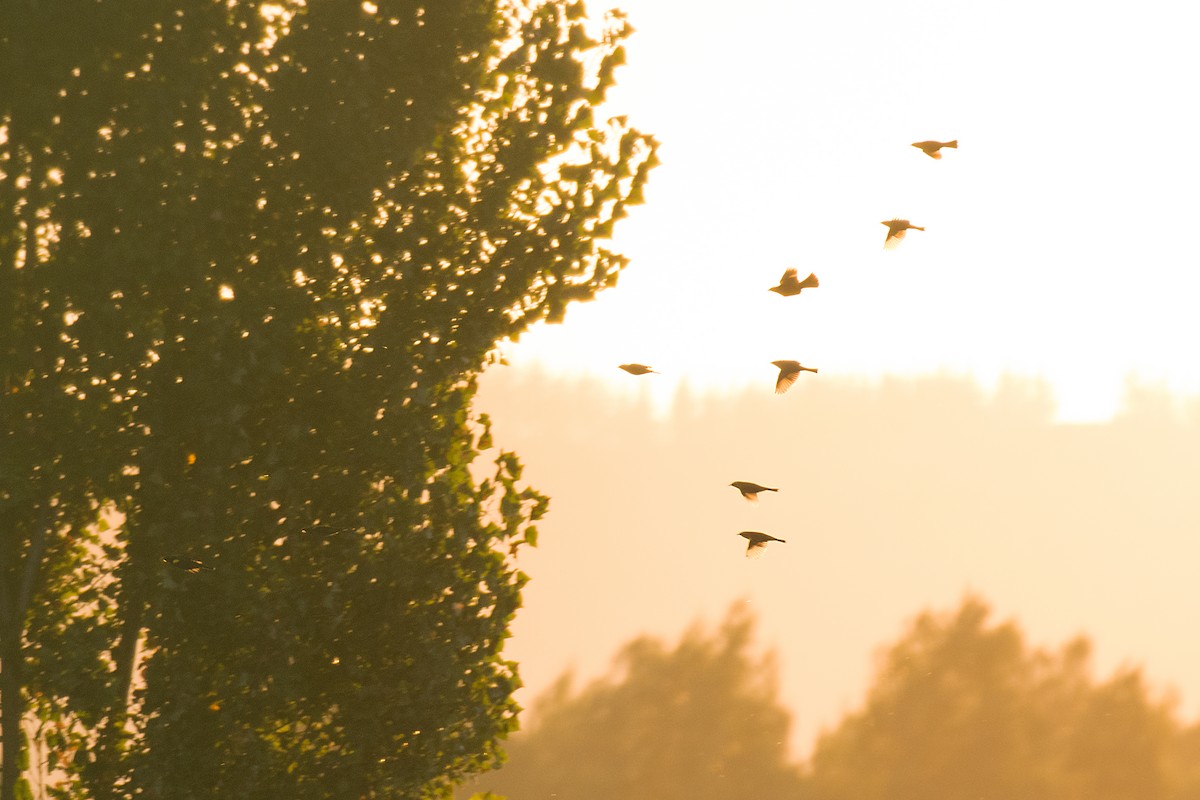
(962, 706)
(287, 239)
(700, 719)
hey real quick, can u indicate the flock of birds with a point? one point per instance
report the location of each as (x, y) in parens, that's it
(790, 285)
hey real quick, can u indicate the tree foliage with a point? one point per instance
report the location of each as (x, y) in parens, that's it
(962, 708)
(255, 255)
(700, 720)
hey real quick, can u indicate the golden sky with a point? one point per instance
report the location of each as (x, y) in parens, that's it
(1060, 236)
(893, 498)
(1060, 247)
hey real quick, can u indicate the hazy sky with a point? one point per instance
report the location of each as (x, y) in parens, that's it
(1060, 245)
(1060, 237)
(893, 499)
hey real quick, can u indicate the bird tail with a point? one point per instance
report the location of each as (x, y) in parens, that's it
(810, 282)
(916, 227)
(953, 144)
(806, 369)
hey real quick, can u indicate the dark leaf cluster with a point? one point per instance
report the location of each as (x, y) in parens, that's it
(252, 258)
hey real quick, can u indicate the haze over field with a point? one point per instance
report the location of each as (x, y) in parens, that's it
(894, 497)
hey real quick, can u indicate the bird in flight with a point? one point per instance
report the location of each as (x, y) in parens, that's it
(896, 229)
(788, 372)
(186, 564)
(637, 369)
(757, 541)
(932, 149)
(322, 530)
(750, 490)
(790, 283)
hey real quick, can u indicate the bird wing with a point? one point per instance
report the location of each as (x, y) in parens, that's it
(755, 549)
(788, 275)
(894, 238)
(749, 489)
(787, 376)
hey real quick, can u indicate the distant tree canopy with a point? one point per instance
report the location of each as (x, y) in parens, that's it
(697, 721)
(960, 708)
(252, 258)
(964, 709)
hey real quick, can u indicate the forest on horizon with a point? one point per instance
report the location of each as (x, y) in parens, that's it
(895, 495)
(961, 707)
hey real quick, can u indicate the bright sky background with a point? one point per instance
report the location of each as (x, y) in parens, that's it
(1061, 236)
(1061, 244)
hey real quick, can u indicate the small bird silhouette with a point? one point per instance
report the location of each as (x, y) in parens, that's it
(896, 229)
(186, 564)
(790, 283)
(931, 148)
(637, 369)
(750, 490)
(788, 372)
(322, 530)
(757, 541)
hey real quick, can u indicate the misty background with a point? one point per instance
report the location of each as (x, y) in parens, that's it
(896, 496)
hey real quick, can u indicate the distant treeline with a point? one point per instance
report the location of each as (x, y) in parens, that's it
(961, 707)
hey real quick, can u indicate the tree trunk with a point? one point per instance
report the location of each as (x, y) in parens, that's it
(19, 577)
(12, 709)
(114, 737)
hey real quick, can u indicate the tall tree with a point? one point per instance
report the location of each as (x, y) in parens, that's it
(59, 414)
(964, 709)
(701, 720)
(266, 249)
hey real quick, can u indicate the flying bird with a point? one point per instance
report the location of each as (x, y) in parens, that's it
(750, 490)
(790, 284)
(757, 541)
(637, 369)
(189, 565)
(896, 229)
(932, 148)
(788, 372)
(322, 530)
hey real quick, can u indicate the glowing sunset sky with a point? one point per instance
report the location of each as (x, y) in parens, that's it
(1060, 246)
(1060, 237)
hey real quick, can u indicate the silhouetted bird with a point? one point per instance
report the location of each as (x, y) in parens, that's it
(321, 530)
(637, 369)
(750, 490)
(756, 541)
(931, 148)
(788, 372)
(896, 229)
(790, 284)
(186, 564)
